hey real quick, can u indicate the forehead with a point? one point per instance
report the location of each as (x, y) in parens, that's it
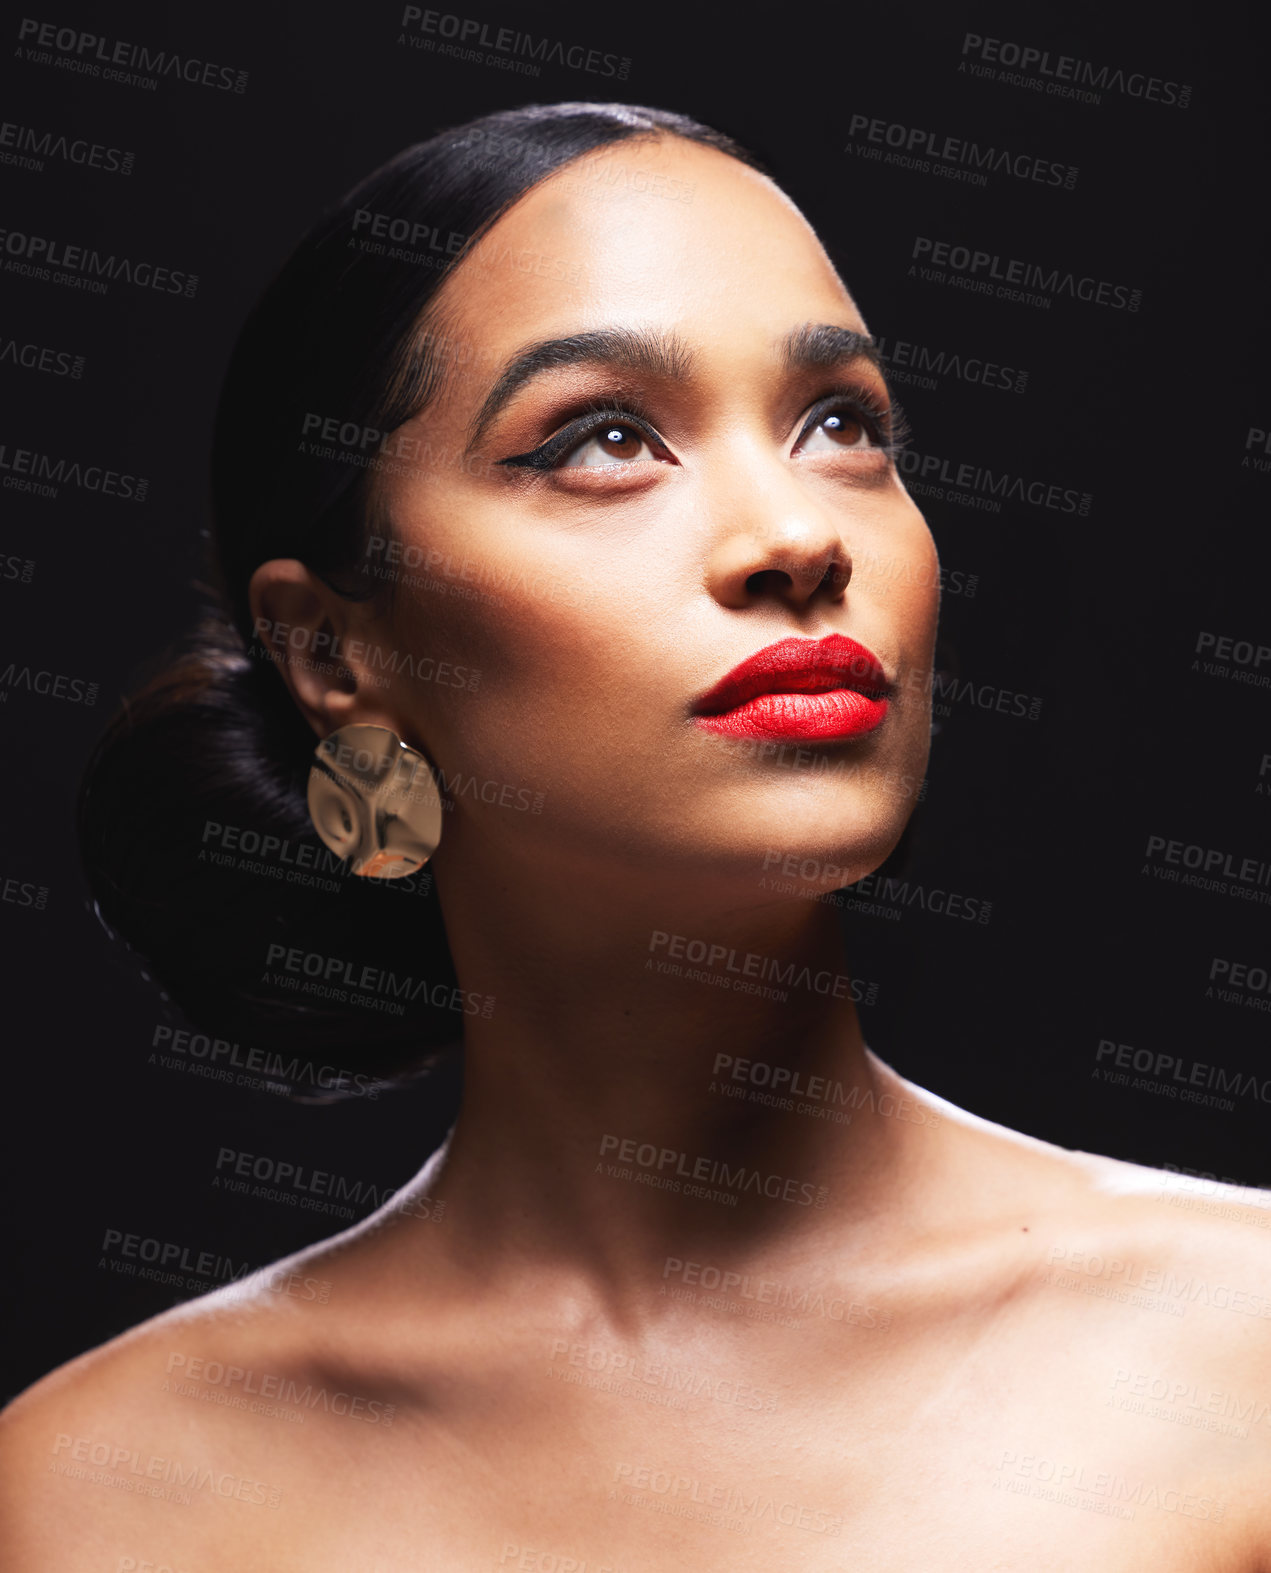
(656, 233)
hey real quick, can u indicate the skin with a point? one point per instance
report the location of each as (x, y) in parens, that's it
(915, 1354)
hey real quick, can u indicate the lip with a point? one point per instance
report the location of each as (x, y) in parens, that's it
(814, 689)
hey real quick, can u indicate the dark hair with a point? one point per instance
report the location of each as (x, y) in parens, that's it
(193, 822)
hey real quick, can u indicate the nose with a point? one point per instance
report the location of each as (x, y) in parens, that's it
(783, 548)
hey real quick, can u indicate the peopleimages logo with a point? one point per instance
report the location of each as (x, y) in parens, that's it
(912, 146)
(801, 1299)
(988, 268)
(899, 893)
(754, 965)
(1235, 659)
(1257, 437)
(57, 685)
(22, 893)
(927, 468)
(1064, 75)
(921, 365)
(1192, 1073)
(40, 357)
(33, 146)
(90, 54)
(33, 256)
(1239, 983)
(335, 977)
(1075, 1484)
(746, 1505)
(1187, 1403)
(211, 1375)
(733, 1178)
(471, 36)
(166, 1261)
(115, 1462)
(1212, 868)
(198, 1046)
(24, 470)
(280, 1180)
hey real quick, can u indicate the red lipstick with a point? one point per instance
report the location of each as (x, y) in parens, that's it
(815, 689)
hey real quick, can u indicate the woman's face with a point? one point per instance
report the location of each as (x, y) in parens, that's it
(700, 472)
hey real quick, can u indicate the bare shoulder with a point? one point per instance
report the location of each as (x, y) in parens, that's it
(147, 1448)
(1142, 1314)
(1181, 1266)
(1109, 1219)
(1198, 1245)
(1192, 1255)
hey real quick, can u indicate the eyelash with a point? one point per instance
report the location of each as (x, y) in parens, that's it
(886, 425)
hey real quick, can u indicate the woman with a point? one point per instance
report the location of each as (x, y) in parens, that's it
(572, 401)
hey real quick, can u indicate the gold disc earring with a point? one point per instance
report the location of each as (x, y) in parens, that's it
(373, 800)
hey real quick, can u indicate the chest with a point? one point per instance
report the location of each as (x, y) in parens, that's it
(906, 1464)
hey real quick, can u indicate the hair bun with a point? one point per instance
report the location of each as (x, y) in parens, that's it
(197, 840)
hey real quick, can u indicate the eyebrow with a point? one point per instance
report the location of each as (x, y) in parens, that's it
(657, 355)
(665, 356)
(821, 345)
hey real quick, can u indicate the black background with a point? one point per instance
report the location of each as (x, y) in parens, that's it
(1098, 616)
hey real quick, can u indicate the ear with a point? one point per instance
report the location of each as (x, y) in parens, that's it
(315, 636)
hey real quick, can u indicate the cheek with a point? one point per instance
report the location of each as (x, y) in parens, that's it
(535, 603)
(548, 662)
(899, 571)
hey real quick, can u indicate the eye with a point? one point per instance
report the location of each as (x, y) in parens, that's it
(616, 442)
(839, 427)
(600, 440)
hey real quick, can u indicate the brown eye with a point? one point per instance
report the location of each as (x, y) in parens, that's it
(613, 443)
(838, 429)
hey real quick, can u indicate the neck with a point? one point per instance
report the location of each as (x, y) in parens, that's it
(660, 1077)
